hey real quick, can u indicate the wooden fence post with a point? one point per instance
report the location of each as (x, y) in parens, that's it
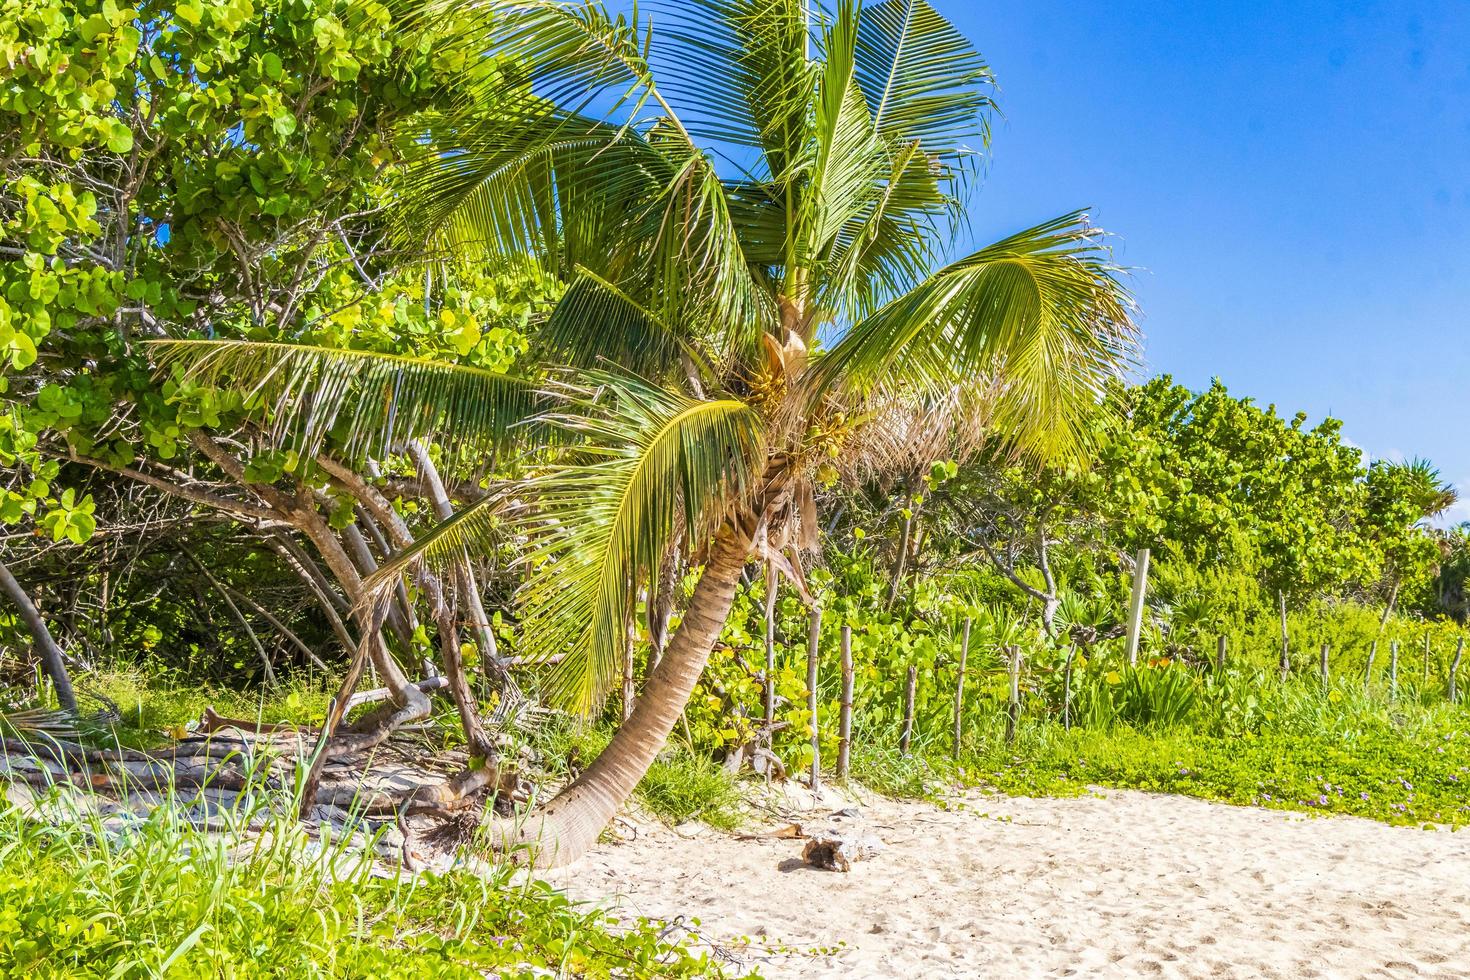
(1135, 604)
(959, 689)
(1220, 653)
(1393, 669)
(1455, 668)
(1013, 707)
(813, 639)
(1067, 688)
(630, 693)
(768, 692)
(1285, 639)
(908, 711)
(1326, 679)
(1368, 671)
(844, 717)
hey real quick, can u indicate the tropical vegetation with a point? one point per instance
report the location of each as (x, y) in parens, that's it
(600, 369)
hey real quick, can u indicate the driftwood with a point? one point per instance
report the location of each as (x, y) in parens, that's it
(427, 685)
(835, 851)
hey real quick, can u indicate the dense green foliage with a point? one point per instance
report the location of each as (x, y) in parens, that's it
(432, 280)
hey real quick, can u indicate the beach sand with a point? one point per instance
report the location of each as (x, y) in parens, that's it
(1114, 884)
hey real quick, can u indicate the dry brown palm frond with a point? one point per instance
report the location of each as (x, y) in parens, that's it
(900, 434)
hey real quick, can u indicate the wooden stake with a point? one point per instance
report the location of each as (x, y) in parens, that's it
(1455, 668)
(769, 693)
(1013, 707)
(1368, 671)
(630, 693)
(1067, 689)
(1220, 653)
(1326, 681)
(1426, 656)
(1285, 639)
(908, 711)
(844, 717)
(1393, 669)
(813, 639)
(1135, 605)
(959, 689)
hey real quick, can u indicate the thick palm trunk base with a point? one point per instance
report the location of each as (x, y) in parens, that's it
(569, 825)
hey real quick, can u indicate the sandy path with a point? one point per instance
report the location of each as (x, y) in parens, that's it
(1127, 884)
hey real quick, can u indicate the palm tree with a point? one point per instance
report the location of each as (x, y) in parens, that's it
(750, 237)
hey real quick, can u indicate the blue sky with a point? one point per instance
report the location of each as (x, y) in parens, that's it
(1291, 181)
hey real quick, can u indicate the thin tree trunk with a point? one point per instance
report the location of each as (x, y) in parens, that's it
(1368, 670)
(51, 656)
(336, 710)
(265, 660)
(1393, 669)
(1135, 605)
(465, 578)
(1013, 705)
(400, 591)
(901, 560)
(1393, 595)
(1455, 669)
(630, 694)
(661, 607)
(571, 823)
(909, 690)
(1067, 689)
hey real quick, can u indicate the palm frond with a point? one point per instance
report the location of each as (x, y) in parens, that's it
(924, 80)
(365, 402)
(1044, 310)
(744, 75)
(647, 466)
(849, 157)
(596, 324)
(654, 463)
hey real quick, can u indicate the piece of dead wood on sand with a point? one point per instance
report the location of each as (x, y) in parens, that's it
(835, 851)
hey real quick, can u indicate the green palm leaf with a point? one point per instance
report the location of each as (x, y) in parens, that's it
(661, 462)
(648, 464)
(596, 324)
(747, 78)
(366, 402)
(924, 80)
(1044, 309)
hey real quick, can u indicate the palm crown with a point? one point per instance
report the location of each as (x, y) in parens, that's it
(748, 201)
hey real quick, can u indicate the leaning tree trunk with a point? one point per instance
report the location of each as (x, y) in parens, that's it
(567, 826)
(46, 647)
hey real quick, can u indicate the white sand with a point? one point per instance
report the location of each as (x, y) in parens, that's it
(1117, 885)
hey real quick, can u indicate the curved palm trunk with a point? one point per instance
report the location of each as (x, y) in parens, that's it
(566, 827)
